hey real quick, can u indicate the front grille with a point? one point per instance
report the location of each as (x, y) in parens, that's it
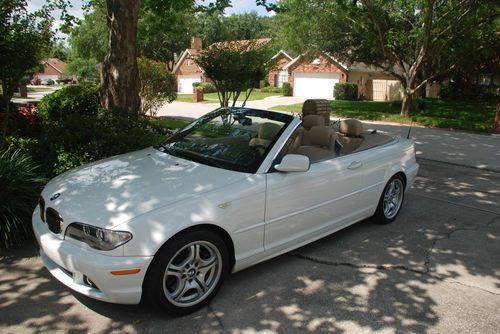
(41, 203)
(54, 220)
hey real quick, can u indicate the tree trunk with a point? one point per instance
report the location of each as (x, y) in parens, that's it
(406, 105)
(7, 94)
(119, 74)
(497, 119)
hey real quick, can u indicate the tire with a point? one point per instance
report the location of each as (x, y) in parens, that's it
(187, 272)
(390, 201)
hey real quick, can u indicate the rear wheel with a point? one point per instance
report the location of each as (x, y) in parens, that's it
(390, 201)
(187, 273)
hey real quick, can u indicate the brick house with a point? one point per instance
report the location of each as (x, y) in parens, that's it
(186, 70)
(316, 77)
(277, 75)
(53, 68)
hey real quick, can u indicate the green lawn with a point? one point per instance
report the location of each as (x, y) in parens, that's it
(471, 116)
(171, 124)
(212, 97)
(35, 88)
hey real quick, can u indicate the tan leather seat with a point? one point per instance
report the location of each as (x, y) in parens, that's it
(267, 133)
(308, 122)
(321, 144)
(350, 135)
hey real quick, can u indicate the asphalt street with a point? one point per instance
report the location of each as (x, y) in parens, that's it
(434, 270)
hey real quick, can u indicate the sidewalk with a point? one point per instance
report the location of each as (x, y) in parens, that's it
(37, 95)
(461, 148)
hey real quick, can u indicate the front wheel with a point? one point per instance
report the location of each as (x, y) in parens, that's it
(187, 273)
(390, 201)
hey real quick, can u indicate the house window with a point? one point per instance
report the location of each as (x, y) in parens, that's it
(282, 77)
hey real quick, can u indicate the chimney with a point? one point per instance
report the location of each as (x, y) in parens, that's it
(196, 43)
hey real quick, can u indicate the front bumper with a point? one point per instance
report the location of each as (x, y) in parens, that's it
(74, 266)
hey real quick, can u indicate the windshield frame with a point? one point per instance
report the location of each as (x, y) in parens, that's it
(286, 119)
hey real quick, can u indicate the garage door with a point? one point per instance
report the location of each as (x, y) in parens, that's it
(319, 85)
(185, 83)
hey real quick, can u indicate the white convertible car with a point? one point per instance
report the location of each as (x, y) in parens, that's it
(234, 188)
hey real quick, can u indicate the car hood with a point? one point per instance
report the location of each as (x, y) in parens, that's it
(115, 190)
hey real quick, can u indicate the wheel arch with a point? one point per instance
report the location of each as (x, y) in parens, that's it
(228, 241)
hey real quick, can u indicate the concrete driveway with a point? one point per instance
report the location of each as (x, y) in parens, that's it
(435, 269)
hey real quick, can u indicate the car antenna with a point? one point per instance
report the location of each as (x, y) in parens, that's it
(409, 130)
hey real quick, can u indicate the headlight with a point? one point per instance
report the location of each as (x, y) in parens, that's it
(96, 237)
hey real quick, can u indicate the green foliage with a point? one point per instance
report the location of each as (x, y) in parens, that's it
(50, 82)
(24, 38)
(208, 87)
(162, 34)
(402, 37)
(263, 83)
(77, 131)
(215, 27)
(21, 184)
(287, 89)
(235, 67)
(345, 91)
(88, 42)
(73, 99)
(157, 85)
(271, 89)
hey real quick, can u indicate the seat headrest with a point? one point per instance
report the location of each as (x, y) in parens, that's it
(268, 130)
(312, 120)
(322, 136)
(351, 127)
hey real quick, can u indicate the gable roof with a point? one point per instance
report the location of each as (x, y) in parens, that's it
(333, 59)
(56, 64)
(282, 52)
(241, 42)
(185, 53)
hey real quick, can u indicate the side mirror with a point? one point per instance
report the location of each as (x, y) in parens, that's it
(293, 163)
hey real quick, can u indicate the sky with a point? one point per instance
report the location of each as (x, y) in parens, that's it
(238, 7)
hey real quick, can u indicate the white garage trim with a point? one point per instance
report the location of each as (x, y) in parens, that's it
(317, 85)
(185, 83)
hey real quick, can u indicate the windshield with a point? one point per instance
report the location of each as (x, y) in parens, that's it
(231, 138)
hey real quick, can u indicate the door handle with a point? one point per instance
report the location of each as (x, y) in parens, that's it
(355, 164)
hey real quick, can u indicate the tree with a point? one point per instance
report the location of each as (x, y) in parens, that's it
(164, 35)
(119, 84)
(214, 27)
(88, 43)
(235, 67)
(157, 85)
(24, 39)
(119, 74)
(417, 41)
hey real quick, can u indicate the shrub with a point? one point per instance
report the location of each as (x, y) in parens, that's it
(80, 99)
(263, 83)
(271, 89)
(345, 91)
(157, 85)
(21, 184)
(208, 87)
(50, 82)
(287, 89)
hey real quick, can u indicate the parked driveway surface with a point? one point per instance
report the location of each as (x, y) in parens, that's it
(435, 269)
